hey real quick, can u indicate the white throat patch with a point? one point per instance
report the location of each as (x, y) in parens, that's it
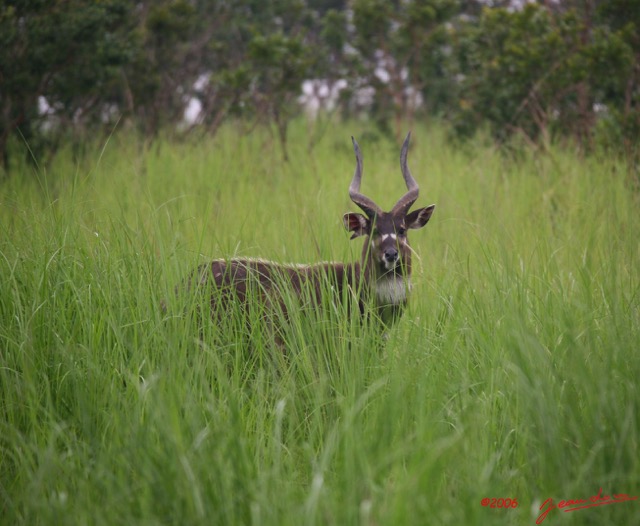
(392, 291)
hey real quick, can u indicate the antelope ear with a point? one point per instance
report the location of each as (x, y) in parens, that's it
(356, 223)
(419, 218)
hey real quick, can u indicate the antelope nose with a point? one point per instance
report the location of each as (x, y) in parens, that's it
(391, 255)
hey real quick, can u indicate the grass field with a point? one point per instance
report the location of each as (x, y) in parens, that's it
(513, 374)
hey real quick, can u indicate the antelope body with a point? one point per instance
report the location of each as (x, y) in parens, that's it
(382, 277)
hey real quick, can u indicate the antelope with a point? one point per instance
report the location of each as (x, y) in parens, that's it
(381, 279)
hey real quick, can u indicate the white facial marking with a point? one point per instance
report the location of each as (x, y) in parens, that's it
(392, 291)
(388, 265)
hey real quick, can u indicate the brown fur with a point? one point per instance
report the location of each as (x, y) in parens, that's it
(242, 280)
(380, 280)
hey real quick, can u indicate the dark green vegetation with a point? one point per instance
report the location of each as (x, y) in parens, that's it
(553, 70)
(513, 374)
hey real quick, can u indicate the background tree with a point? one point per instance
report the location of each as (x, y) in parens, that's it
(245, 59)
(60, 60)
(403, 48)
(515, 67)
(545, 71)
(165, 62)
(615, 71)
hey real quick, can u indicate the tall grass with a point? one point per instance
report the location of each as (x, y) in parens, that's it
(514, 373)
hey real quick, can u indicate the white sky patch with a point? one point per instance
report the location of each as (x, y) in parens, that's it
(192, 111)
(320, 94)
(382, 74)
(201, 82)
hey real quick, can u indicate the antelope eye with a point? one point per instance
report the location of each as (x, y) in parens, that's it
(401, 231)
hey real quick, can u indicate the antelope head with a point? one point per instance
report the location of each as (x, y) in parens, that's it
(386, 253)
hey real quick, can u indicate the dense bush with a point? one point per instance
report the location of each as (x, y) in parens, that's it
(546, 71)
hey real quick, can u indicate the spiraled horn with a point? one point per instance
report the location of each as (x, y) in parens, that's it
(367, 205)
(405, 202)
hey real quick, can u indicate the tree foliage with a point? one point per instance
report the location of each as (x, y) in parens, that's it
(538, 72)
(68, 53)
(544, 71)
